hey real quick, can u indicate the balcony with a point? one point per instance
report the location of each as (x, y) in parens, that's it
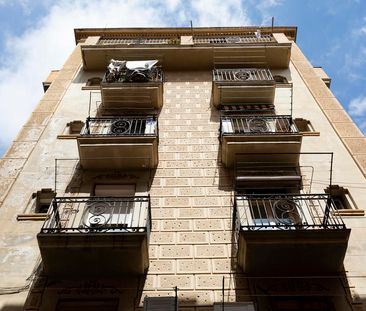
(248, 38)
(289, 234)
(132, 89)
(199, 51)
(258, 139)
(242, 87)
(124, 143)
(94, 236)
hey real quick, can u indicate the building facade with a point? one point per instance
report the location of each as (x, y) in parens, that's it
(187, 169)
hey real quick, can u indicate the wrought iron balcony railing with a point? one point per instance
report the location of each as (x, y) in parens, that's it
(131, 41)
(98, 215)
(123, 126)
(286, 212)
(257, 125)
(249, 38)
(242, 75)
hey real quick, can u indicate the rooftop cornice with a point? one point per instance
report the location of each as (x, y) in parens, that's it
(82, 33)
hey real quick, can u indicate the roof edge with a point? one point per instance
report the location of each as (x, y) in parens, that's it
(83, 33)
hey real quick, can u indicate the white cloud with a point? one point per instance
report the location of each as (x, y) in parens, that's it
(220, 13)
(265, 9)
(46, 44)
(267, 4)
(363, 28)
(30, 57)
(357, 106)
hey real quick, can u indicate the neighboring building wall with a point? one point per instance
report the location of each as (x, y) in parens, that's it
(26, 167)
(191, 243)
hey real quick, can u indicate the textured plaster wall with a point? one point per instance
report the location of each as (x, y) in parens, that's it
(315, 102)
(27, 166)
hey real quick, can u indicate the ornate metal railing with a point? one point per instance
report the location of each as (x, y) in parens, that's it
(249, 38)
(256, 125)
(242, 75)
(130, 41)
(121, 126)
(286, 212)
(98, 214)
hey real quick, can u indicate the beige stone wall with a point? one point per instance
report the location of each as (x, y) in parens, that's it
(338, 134)
(345, 128)
(25, 168)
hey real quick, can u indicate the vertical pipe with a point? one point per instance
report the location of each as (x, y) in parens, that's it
(331, 170)
(176, 298)
(90, 95)
(57, 215)
(223, 293)
(292, 96)
(55, 176)
(87, 127)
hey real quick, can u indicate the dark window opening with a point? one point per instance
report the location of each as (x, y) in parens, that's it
(43, 198)
(74, 127)
(305, 127)
(340, 196)
(280, 79)
(95, 81)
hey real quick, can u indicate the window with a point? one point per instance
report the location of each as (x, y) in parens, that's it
(38, 206)
(280, 79)
(343, 201)
(92, 83)
(72, 129)
(305, 127)
(274, 212)
(110, 213)
(43, 198)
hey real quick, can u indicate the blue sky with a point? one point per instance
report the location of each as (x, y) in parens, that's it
(36, 37)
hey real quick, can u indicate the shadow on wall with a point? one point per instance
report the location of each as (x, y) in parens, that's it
(12, 308)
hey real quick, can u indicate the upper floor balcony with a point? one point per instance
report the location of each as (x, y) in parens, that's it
(120, 142)
(247, 38)
(283, 234)
(132, 85)
(190, 49)
(242, 86)
(252, 138)
(96, 236)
